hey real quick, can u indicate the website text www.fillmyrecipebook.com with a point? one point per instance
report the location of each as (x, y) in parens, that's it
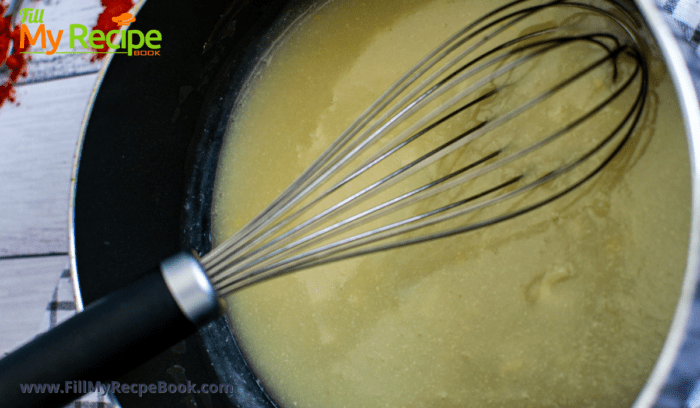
(161, 387)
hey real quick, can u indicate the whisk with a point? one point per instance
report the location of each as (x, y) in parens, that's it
(480, 131)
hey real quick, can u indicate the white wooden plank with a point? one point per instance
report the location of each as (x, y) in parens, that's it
(38, 139)
(25, 292)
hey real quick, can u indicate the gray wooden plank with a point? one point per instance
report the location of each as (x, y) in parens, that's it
(38, 139)
(26, 290)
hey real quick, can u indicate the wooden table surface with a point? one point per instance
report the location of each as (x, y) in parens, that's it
(38, 139)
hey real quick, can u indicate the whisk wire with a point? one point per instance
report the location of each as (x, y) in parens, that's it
(264, 249)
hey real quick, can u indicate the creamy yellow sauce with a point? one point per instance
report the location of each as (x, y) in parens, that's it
(567, 306)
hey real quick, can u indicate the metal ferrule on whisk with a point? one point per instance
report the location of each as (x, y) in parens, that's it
(190, 287)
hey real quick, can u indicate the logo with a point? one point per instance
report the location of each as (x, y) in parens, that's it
(132, 42)
(124, 20)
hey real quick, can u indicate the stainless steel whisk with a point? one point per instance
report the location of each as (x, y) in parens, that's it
(470, 82)
(264, 248)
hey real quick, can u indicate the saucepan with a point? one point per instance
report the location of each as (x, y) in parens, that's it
(145, 169)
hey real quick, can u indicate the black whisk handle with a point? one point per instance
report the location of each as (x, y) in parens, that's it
(110, 337)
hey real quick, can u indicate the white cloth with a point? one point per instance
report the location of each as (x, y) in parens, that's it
(684, 19)
(683, 16)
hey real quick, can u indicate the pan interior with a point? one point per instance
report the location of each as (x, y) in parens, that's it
(532, 312)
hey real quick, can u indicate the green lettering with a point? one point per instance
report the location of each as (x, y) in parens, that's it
(109, 38)
(96, 35)
(79, 37)
(131, 45)
(153, 35)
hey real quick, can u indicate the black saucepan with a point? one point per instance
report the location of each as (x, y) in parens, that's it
(146, 172)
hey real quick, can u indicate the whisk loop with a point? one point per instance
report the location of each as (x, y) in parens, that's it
(503, 161)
